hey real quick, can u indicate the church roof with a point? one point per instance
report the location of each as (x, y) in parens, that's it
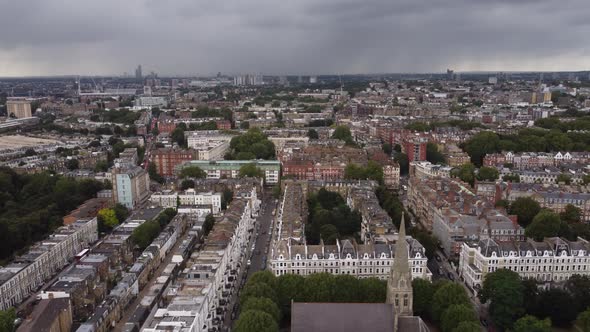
(350, 317)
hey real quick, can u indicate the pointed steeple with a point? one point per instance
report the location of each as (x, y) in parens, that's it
(401, 264)
(399, 284)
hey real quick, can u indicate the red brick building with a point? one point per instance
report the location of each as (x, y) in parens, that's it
(223, 124)
(166, 124)
(166, 159)
(415, 148)
(299, 169)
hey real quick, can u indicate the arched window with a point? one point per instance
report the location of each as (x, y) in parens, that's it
(405, 300)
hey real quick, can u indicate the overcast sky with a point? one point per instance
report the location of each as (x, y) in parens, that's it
(48, 37)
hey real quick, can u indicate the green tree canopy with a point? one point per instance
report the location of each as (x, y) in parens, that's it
(72, 164)
(532, 324)
(487, 174)
(318, 287)
(423, 291)
(253, 142)
(455, 314)
(345, 289)
(187, 184)
(7, 318)
(193, 172)
(387, 148)
(556, 304)
(256, 321)
(373, 290)
(144, 234)
(481, 144)
(289, 288)
(208, 224)
(525, 208)
(564, 178)
(259, 289)
(108, 218)
(263, 304)
(433, 155)
(571, 214)
(250, 170)
(584, 320)
(313, 134)
(545, 224)
(503, 288)
(466, 173)
(468, 326)
(446, 296)
(265, 277)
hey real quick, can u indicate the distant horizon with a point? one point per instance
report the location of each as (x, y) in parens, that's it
(232, 74)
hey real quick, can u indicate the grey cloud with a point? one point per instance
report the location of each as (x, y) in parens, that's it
(41, 37)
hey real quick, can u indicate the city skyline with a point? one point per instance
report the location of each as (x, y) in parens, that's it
(301, 38)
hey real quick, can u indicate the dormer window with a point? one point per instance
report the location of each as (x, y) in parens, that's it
(331, 256)
(383, 256)
(348, 256)
(297, 257)
(281, 257)
(366, 256)
(315, 256)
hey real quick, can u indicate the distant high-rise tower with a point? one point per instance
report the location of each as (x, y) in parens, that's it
(313, 79)
(138, 74)
(450, 74)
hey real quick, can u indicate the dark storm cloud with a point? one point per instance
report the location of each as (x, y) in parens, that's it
(39, 37)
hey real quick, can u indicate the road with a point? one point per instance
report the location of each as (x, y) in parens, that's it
(133, 305)
(261, 245)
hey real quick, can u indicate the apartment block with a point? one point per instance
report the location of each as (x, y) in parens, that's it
(231, 168)
(130, 185)
(27, 272)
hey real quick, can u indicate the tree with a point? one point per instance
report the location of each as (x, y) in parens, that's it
(345, 289)
(342, 133)
(177, 136)
(466, 173)
(387, 148)
(145, 233)
(433, 155)
(556, 304)
(579, 287)
(525, 208)
(72, 164)
(186, 184)
(256, 321)
(193, 172)
(456, 314)
(263, 304)
(259, 289)
(265, 277)
(101, 166)
(487, 174)
(571, 214)
(313, 134)
(289, 288)
(373, 290)
(469, 326)
(318, 287)
(7, 318)
(403, 161)
(108, 218)
(446, 296)
(564, 178)
(155, 131)
(530, 323)
(121, 212)
(503, 288)
(250, 170)
(479, 145)
(153, 173)
(584, 320)
(208, 224)
(422, 296)
(511, 178)
(31, 152)
(545, 224)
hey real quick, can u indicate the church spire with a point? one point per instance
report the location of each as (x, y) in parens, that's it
(399, 284)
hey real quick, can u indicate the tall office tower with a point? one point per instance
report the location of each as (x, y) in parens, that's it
(450, 74)
(138, 74)
(313, 79)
